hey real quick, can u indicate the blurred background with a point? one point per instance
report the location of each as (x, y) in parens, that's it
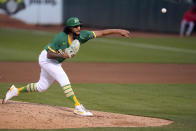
(151, 74)
(136, 15)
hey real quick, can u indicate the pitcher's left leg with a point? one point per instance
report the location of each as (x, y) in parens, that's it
(79, 109)
(57, 72)
(70, 94)
(61, 77)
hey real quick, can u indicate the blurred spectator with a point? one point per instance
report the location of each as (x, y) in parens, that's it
(188, 22)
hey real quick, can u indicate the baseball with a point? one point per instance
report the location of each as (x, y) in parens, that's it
(163, 10)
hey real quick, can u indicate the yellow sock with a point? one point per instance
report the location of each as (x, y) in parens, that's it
(28, 88)
(70, 94)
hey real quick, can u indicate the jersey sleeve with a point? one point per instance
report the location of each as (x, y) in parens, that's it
(55, 44)
(86, 35)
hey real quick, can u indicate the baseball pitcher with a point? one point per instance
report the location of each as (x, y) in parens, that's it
(65, 45)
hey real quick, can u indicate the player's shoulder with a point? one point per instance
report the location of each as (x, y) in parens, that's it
(60, 36)
(87, 33)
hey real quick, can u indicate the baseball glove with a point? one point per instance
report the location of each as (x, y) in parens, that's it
(73, 48)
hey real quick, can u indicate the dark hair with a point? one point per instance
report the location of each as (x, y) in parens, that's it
(67, 30)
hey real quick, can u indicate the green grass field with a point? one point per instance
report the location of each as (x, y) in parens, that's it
(15, 43)
(175, 102)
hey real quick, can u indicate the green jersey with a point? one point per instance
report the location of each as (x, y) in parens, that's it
(61, 41)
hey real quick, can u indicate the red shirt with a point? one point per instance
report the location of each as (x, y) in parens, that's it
(190, 15)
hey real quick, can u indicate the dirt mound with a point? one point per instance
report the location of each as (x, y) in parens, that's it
(23, 115)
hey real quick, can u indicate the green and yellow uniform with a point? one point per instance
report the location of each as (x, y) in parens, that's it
(61, 41)
(52, 70)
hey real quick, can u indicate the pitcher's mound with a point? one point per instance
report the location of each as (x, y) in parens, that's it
(23, 115)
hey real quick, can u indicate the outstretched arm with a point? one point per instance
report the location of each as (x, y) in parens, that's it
(100, 33)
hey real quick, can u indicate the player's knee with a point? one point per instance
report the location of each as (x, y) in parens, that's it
(41, 88)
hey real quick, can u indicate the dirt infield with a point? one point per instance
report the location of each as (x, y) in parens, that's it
(24, 72)
(20, 115)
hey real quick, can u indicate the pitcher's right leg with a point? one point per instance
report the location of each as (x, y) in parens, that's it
(12, 91)
(42, 85)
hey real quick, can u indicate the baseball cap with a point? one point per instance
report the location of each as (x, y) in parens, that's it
(73, 21)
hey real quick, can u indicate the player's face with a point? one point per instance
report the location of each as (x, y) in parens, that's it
(76, 30)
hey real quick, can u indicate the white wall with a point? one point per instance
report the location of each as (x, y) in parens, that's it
(41, 12)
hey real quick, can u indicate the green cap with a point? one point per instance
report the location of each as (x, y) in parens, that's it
(73, 21)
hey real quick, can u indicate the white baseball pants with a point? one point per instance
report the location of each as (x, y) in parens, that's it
(189, 30)
(50, 70)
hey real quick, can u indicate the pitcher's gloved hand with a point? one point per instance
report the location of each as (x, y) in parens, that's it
(73, 48)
